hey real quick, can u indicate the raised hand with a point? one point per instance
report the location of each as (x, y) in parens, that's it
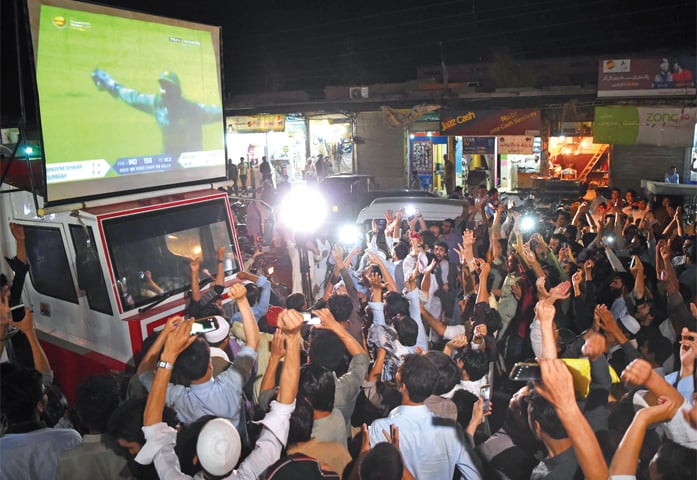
(375, 281)
(594, 346)
(327, 320)
(237, 292)
(560, 291)
(484, 267)
(480, 330)
(637, 267)
(605, 319)
(661, 412)
(17, 231)
(430, 267)
(545, 312)
(460, 250)
(278, 344)
(393, 436)
(179, 338)
(688, 347)
(338, 254)
(468, 238)
(637, 373)
(290, 321)
(557, 385)
(459, 341)
(528, 254)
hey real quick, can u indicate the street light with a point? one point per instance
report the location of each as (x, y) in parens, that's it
(303, 210)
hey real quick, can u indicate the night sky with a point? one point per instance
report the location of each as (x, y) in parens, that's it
(296, 45)
(288, 45)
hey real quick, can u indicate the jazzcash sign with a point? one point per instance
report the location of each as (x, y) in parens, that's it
(459, 120)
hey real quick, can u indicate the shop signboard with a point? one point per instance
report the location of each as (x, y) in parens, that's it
(256, 124)
(659, 126)
(516, 144)
(478, 145)
(647, 77)
(490, 122)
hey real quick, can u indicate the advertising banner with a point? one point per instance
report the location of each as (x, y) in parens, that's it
(478, 145)
(256, 124)
(519, 144)
(659, 126)
(422, 156)
(526, 121)
(647, 77)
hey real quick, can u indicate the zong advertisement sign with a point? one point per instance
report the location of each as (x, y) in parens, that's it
(665, 127)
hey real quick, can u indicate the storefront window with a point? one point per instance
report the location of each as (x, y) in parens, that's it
(151, 252)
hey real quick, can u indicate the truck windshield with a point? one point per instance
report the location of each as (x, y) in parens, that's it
(150, 252)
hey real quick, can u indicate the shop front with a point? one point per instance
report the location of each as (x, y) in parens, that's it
(291, 142)
(646, 141)
(496, 148)
(428, 160)
(331, 137)
(279, 138)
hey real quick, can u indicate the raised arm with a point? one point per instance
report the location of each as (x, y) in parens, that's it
(220, 271)
(557, 387)
(626, 458)
(195, 265)
(147, 363)
(637, 270)
(432, 321)
(328, 322)
(26, 326)
(290, 322)
(386, 276)
(177, 340)
(640, 372)
(278, 350)
(251, 330)
(483, 291)
(545, 311)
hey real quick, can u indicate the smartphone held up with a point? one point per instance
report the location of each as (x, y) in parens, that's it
(204, 325)
(311, 319)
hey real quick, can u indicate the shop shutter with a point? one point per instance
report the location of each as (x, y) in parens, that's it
(630, 164)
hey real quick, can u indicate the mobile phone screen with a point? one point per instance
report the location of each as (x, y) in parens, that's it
(204, 325)
(526, 372)
(310, 319)
(485, 395)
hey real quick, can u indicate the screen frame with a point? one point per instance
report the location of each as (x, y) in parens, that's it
(93, 189)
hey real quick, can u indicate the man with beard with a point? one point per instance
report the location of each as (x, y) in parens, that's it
(440, 286)
(621, 286)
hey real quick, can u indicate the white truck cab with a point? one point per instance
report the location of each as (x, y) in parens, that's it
(103, 275)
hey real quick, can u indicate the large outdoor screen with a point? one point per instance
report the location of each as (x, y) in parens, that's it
(127, 101)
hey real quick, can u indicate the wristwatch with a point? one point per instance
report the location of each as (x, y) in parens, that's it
(220, 261)
(163, 364)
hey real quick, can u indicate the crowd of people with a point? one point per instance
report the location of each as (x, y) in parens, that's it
(478, 347)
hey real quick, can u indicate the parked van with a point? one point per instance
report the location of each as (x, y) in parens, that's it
(434, 210)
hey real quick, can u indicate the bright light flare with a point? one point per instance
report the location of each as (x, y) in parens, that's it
(409, 210)
(349, 235)
(304, 209)
(528, 223)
